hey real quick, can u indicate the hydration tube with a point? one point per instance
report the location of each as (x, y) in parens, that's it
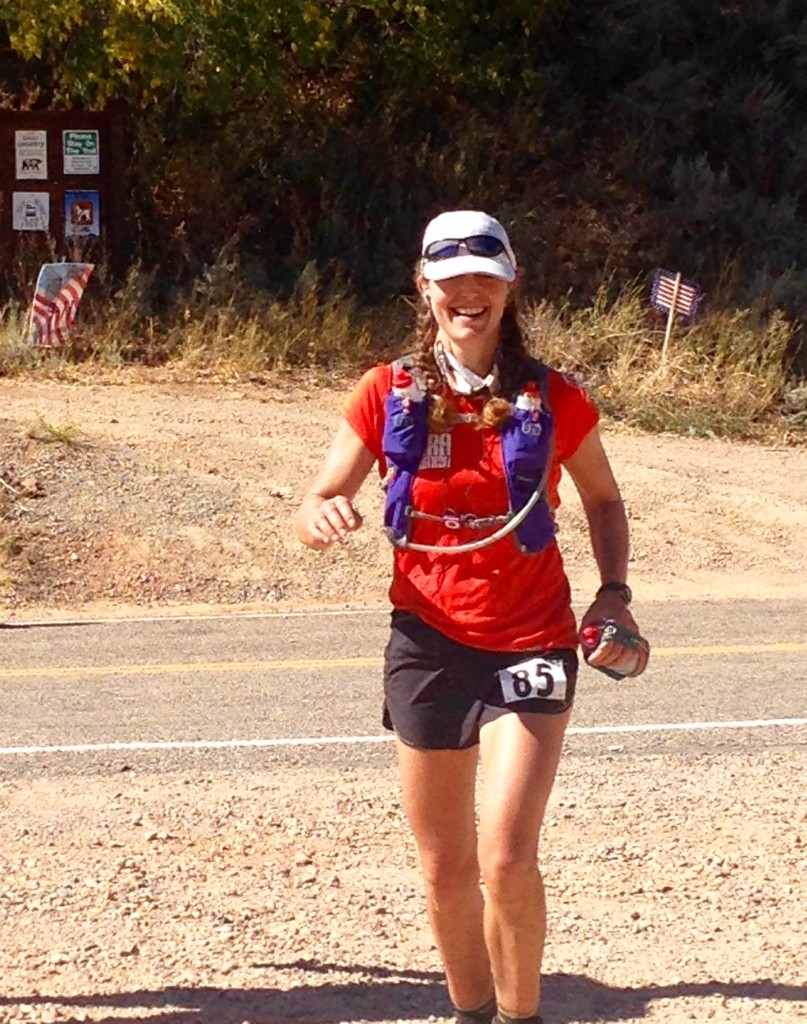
(503, 531)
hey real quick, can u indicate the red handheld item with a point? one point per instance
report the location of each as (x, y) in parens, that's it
(590, 637)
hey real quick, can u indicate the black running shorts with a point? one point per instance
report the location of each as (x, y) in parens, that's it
(437, 691)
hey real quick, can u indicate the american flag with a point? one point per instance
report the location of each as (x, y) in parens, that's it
(663, 292)
(59, 288)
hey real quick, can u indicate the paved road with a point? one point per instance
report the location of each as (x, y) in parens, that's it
(230, 692)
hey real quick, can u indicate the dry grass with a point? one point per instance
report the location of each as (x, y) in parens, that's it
(725, 375)
(223, 326)
(276, 337)
(40, 429)
(16, 354)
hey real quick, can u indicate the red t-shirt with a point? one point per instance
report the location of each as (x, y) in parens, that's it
(497, 598)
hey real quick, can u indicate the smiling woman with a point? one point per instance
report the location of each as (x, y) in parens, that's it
(470, 434)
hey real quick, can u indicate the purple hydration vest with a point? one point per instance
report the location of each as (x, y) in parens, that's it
(526, 440)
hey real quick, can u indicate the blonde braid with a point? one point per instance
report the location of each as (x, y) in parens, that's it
(512, 360)
(425, 334)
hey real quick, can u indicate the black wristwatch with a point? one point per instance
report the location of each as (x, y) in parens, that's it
(622, 589)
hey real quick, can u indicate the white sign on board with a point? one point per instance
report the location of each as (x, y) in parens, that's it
(31, 211)
(31, 154)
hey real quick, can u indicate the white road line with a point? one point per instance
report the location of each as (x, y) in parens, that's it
(317, 741)
(754, 723)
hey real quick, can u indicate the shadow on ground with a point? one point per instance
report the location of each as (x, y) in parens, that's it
(384, 994)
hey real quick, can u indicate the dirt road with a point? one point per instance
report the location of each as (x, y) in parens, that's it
(289, 892)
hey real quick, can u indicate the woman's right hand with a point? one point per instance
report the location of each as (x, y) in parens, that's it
(323, 521)
(326, 514)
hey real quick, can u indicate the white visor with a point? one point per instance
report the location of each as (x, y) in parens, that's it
(457, 225)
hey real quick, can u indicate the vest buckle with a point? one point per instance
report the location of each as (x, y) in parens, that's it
(452, 520)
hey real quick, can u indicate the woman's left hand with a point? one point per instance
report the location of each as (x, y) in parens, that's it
(610, 607)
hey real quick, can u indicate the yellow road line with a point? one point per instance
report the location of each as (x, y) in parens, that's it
(183, 667)
(701, 650)
(315, 664)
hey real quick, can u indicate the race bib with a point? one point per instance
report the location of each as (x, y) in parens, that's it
(537, 677)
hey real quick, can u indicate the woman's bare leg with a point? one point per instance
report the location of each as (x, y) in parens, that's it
(438, 798)
(520, 755)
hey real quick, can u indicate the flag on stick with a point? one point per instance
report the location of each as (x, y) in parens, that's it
(58, 292)
(672, 294)
(671, 291)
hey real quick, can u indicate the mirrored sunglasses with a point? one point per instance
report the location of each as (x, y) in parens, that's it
(476, 245)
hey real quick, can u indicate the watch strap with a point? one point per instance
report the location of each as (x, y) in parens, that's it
(613, 586)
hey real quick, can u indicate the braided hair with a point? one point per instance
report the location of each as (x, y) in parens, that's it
(511, 358)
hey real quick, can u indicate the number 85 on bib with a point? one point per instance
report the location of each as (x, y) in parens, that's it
(537, 677)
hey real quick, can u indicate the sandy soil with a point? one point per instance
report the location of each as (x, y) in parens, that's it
(676, 883)
(177, 494)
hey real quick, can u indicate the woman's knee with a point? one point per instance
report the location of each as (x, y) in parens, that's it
(449, 877)
(509, 873)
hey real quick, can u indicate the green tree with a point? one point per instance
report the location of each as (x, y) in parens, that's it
(214, 52)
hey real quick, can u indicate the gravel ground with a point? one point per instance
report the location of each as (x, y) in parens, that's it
(676, 888)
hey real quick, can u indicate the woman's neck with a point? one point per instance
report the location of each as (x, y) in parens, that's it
(462, 379)
(480, 358)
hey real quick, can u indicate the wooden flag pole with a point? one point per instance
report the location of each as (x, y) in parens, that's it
(668, 332)
(29, 320)
(29, 325)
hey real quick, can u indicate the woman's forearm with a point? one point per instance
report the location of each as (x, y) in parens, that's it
(608, 528)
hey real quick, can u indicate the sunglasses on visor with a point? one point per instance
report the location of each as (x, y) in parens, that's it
(476, 245)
